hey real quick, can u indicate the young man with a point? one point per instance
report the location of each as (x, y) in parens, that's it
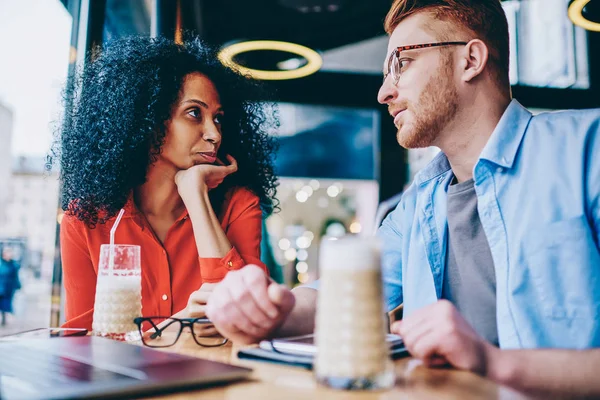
(496, 241)
(505, 223)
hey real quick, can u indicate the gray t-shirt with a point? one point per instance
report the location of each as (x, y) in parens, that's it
(469, 276)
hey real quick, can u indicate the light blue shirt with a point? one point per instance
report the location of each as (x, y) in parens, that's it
(538, 191)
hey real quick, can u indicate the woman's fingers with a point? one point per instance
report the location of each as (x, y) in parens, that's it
(199, 296)
(233, 165)
(196, 307)
(196, 311)
(231, 162)
(208, 287)
(205, 330)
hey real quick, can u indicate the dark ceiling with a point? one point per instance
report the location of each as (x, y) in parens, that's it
(591, 11)
(319, 24)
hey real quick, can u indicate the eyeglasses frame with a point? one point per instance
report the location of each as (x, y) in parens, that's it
(183, 323)
(396, 53)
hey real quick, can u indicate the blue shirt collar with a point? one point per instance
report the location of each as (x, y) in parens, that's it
(435, 168)
(500, 149)
(503, 145)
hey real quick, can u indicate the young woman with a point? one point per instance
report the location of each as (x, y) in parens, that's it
(181, 143)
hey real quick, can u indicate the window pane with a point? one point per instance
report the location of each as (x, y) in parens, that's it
(34, 43)
(547, 50)
(328, 167)
(126, 17)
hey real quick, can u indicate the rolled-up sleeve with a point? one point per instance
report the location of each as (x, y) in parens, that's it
(244, 232)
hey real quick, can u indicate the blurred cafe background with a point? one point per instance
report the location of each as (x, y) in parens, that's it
(340, 167)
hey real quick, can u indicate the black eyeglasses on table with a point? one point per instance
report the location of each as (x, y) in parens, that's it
(165, 331)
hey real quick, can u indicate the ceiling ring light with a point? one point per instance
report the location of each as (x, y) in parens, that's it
(576, 16)
(313, 64)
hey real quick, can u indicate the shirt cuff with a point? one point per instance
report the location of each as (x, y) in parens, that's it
(214, 269)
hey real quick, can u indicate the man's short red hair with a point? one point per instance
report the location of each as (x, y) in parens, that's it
(483, 19)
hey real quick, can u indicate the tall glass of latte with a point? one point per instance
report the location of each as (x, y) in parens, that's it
(118, 292)
(352, 352)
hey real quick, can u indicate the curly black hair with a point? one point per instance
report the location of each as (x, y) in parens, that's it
(115, 115)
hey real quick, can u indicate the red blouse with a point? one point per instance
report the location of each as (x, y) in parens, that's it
(170, 272)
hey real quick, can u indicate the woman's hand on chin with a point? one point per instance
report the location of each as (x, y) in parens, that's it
(193, 181)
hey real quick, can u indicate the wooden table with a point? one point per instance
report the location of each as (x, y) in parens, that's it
(274, 381)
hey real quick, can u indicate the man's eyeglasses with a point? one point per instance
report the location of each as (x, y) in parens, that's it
(394, 63)
(165, 331)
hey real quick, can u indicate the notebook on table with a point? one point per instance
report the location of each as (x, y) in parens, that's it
(299, 351)
(93, 367)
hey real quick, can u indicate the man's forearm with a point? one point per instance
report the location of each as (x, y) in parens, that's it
(301, 320)
(565, 373)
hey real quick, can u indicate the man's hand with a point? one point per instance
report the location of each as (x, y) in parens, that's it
(247, 306)
(439, 335)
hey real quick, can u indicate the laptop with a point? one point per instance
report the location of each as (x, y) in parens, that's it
(93, 367)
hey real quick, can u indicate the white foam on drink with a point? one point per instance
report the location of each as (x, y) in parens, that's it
(115, 283)
(350, 253)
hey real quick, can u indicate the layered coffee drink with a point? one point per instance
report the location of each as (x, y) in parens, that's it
(352, 352)
(118, 302)
(118, 298)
